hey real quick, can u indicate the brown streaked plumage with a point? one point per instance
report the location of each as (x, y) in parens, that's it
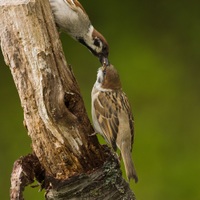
(112, 116)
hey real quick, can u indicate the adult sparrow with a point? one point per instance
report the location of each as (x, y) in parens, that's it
(71, 17)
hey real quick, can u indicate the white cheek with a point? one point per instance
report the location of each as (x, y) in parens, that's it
(99, 80)
(98, 49)
(100, 76)
(98, 83)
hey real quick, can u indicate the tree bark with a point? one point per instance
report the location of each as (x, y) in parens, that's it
(66, 159)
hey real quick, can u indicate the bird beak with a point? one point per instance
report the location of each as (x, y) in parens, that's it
(104, 61)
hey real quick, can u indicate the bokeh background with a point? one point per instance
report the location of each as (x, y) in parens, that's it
(155, 47)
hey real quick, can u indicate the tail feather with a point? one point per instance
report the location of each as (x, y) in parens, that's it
(128, 163)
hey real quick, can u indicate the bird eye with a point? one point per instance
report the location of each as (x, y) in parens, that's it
(97, 42)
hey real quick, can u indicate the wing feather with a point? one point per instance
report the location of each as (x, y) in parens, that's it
(127, 108)
(108, 106)
(107, 116)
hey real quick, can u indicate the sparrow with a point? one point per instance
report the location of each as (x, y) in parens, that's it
(112, 116)
(71, 17)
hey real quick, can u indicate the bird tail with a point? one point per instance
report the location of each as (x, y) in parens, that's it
(128, 163)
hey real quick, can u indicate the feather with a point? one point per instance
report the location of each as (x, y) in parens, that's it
(74, 4)
(112, 116)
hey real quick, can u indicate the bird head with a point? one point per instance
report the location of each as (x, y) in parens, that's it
(97, 44)
(108, 78)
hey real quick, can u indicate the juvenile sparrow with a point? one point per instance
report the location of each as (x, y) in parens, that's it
(72, 18)
(112, 116)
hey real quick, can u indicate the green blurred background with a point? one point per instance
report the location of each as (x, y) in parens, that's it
(155, 47)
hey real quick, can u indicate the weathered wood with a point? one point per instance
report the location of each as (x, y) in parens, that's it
(105, 184)
(54, 112)
(25, 170)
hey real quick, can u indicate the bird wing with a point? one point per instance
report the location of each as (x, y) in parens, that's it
(106, 110)
(127, 109)
(108, 106)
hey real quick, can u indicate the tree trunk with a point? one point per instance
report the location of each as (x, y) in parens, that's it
(68, 162)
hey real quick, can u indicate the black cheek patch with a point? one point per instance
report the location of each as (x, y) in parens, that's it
(97, 42)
